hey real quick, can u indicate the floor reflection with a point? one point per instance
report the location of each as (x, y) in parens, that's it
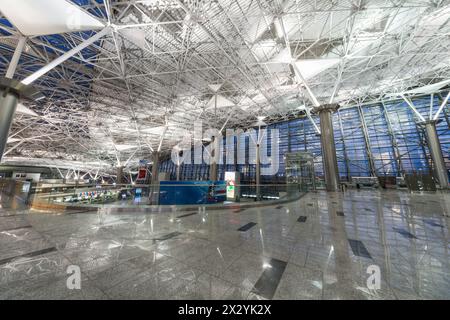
(320, 247)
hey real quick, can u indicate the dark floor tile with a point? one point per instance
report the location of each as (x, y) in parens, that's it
(359, 249)
(187, 215)
(268, 282)
(404, 233)
(78, 211)
(28, 255)
(247, 226)
(168, 236)
(432, 223)
(17, 228)
(12, 215)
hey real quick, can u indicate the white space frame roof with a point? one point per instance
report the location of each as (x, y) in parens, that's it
(164, 64)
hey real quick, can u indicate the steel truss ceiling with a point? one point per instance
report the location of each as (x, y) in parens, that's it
(152, 75)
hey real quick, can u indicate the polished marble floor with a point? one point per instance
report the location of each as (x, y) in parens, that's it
(319, 247)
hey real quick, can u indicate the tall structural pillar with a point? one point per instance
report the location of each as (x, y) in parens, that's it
(8, 104)
(10, 92)
(440, 170)
(329, 158)
(154, 189)
(120, 175)
(178, 172)
(258, 172)
(178, 165)
(155, 167)
(213, 160)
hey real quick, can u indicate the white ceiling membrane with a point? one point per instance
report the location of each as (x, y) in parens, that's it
(428, 88)
(24, 110)
(155, 130)
(258, 25)
(136, 36)
(264, 49)
(259, 98)
(312, 67)
(246, 101)
(222, 102)
(215, 87)
(282, 57)
(309, 68)
(404, 16)
(331, 24)
(46, 17)
(123, 147)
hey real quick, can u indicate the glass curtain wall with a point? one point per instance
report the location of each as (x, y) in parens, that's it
(381, 139)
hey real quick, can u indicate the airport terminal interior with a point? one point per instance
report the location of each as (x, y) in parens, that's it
(224, 149)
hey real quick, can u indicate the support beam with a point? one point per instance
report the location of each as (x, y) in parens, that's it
(297, 72)
(308, 114)
(373, 171)
(16, 57)
(396, 150)
(60, 173)
(301, 80)
(413, 108)
(434, 145)
(131, 178)
(30, 79)
(161, 138)
(329, 158)
(443, 104)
